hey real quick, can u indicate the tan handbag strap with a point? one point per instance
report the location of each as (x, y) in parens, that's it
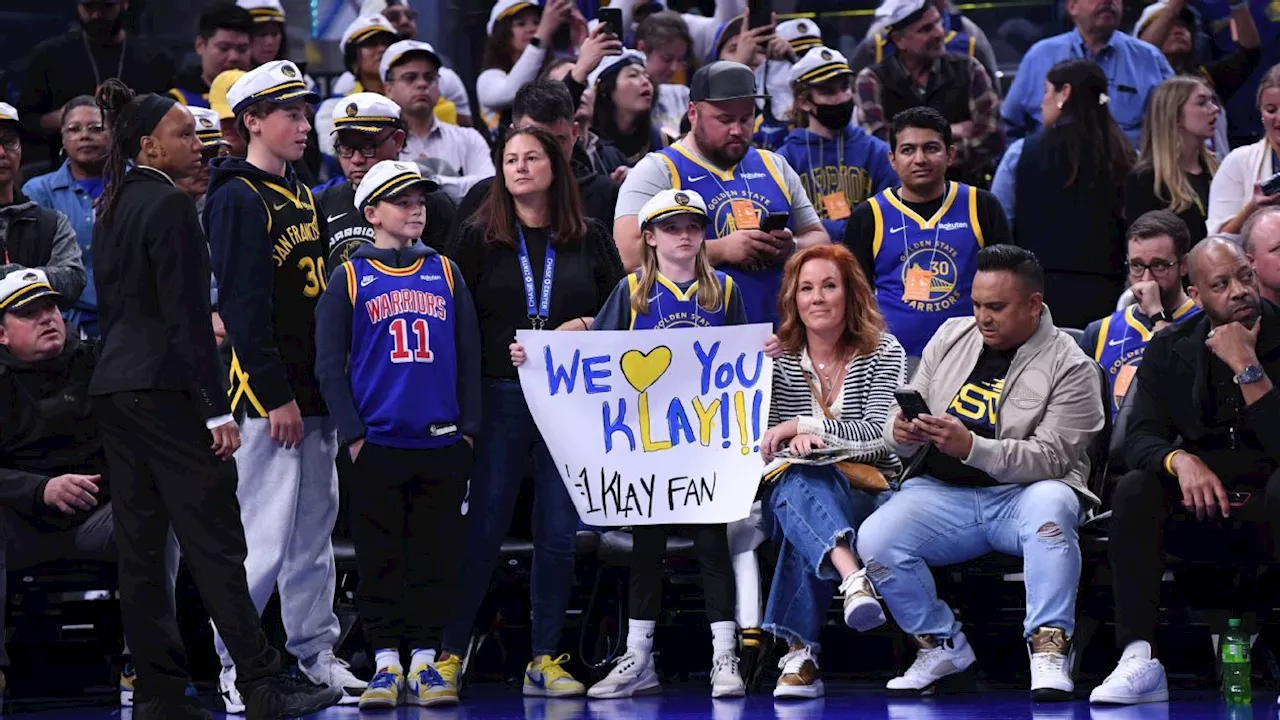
(817, 395)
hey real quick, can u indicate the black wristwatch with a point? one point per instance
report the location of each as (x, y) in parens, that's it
(1162, 316)
(535, 41)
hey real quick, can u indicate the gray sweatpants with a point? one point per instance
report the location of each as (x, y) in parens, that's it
(288, 504)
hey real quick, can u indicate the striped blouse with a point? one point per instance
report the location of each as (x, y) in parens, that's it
(861, 408)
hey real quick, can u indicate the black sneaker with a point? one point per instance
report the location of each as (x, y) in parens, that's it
(164, 709)
(283, 696)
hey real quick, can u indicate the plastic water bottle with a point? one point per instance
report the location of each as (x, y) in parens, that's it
(1236, 668)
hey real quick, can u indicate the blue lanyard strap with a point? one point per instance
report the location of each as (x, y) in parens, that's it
(538, 308)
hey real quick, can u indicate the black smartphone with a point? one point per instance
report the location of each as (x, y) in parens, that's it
(759, 13)
(611, 21)
(1238, 499)
(1271, 186)
(911, 403)
(775, 221)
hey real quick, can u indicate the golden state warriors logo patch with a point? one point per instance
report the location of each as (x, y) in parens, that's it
(826, 55)
(682, 199)
(727, 220)
(802, 28)
(288, 71)
(206, 123)
(929, 276)
(352, 110)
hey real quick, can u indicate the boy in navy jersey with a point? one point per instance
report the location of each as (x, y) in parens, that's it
(268, 249)
(398, 357)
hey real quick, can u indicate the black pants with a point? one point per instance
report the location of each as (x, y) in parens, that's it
(711, 544)
(163, 472)
(408, 527)
(1147, 517)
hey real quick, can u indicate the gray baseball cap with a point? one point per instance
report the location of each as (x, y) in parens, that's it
(723, 80)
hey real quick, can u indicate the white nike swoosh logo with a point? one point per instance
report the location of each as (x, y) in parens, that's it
(335, 217)
(1113, 343)
(696, 179)
(898, 229)
(279, 207)
(366, 281)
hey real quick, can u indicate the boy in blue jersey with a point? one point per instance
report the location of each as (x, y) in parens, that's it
(839, 164)
(1158, 245)
(918, 243)
(398, 357)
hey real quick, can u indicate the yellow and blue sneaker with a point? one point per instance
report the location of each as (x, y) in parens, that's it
(383, 692)
(546, 678)
(428, 688)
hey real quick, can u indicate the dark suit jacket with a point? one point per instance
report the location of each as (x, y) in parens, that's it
(151, 268)
(1172, 393)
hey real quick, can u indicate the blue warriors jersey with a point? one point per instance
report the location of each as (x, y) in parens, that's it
(671, 307)
(1122, 340)
(924, 268)
(404, 363)
(756, 180)
(188, 98)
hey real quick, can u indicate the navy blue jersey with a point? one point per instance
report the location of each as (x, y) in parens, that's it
(1122, 340)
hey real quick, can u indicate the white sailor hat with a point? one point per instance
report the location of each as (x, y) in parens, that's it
(614, 64)
(802, 34)
(263, 11)
(208, 126)
(8, 113)
(23, 286)
(669, 203)
(818, 66)
(904, 13)
(388, 179)
(277, 82)
(506, 8)
(399, 50)
(365, 27)
(365, 112)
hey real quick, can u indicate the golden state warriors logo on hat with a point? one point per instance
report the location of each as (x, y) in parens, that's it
(802, 28)
(30, 277)
(206, 123)
(682, 199)
(352, 110)
(288, 71)
(826, 54)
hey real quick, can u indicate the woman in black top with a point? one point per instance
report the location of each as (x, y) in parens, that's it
(533, 218)
(1176, 166)
(166, 423)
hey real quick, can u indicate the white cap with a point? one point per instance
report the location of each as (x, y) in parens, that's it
(802, 34)
(365, 112)
(22, 286)
(507, 8)
(902, 11)
(388, 179)
(278, 81)
(668, 203)
(614, 64)
(365, 27)
(819, 65)
(208, 126)
(1149, 13)
(263, 11)
(404, 47)
(8, 112)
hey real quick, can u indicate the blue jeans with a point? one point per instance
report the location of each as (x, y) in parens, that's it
(929, 523)
(507, 436)
(807, 510)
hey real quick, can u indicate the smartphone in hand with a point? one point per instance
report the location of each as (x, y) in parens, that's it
(611, 21)
(911, 403)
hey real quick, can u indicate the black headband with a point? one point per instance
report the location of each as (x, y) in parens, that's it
(151, 110)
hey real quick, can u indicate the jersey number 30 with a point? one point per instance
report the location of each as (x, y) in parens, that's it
(400, 336)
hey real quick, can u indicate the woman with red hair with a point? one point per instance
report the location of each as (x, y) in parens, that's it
(832, 388)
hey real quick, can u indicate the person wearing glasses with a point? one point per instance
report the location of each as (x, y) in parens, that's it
(366, 136)
(72, 190)
(1158, 243)
(405, 20)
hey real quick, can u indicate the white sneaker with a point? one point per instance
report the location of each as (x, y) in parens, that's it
(862, 611)
(726, 681)
(800, 677)
(632, 675)
(937, 659)
(331, 671)
(1138, 678)
(231, 699)
(1051, 655)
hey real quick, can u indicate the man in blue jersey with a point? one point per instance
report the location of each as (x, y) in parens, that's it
(743, 186)
(839, 164)
(1158, 245)
(222, 44)
(918, 242)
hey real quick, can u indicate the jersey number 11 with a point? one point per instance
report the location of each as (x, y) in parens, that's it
(400, 336)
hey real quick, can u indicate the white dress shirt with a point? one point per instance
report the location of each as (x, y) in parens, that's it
(463, 149)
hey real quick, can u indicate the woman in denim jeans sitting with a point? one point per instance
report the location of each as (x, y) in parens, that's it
(832, 388)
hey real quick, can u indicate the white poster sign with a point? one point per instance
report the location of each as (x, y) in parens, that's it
(652, 427)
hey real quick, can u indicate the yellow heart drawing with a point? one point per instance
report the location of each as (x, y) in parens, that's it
(644, 369)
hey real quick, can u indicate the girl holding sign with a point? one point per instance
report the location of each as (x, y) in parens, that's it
(832, 387)
(676, 287)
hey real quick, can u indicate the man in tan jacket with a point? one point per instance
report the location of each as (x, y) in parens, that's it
(999, 465)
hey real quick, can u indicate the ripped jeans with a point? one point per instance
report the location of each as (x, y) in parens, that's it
(809, 508)
(930, 523)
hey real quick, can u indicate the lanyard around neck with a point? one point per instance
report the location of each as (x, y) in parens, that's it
(537, 305)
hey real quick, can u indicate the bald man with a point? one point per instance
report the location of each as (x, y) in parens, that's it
(1197, 496)
(1261, 237)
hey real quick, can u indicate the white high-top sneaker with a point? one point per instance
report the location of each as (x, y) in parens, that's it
(1138, 678)
(937, 659)
(333, 672)
(862, 611)
(632, 675)
(726, 680)
(1051, 654)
